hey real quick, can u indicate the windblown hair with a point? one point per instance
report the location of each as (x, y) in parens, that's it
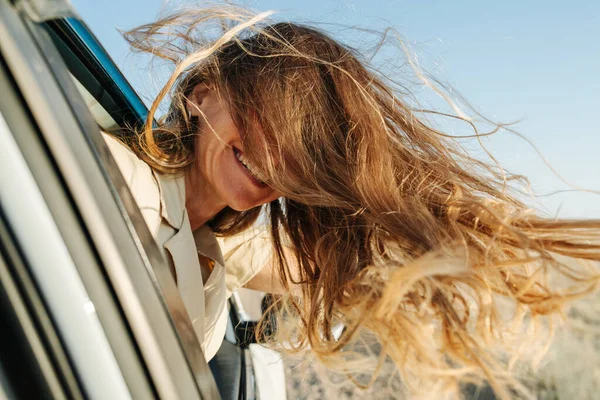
(387, 224)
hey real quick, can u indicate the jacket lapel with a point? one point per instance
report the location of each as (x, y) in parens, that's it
(182, 249)
(172, 198)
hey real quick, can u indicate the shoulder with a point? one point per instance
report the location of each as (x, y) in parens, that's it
(245, 255)
(129, 164)
(141, 181)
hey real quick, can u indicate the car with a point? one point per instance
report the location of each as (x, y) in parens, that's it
(89, 307)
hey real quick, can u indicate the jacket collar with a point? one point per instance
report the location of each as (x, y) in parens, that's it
(172, 198)
(172, 209)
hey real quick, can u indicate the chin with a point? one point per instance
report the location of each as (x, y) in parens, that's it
(243, 205)
(241, 208)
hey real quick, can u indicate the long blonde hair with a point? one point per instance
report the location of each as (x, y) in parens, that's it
(388, 225)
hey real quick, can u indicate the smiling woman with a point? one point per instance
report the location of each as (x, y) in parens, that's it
(220, 175)
(378, 221)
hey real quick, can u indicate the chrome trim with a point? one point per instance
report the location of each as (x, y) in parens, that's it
(250, 380)
(129, 270)
(77, 241)
(57, 277)
(95, 51)
(43, 10)
(30, 332)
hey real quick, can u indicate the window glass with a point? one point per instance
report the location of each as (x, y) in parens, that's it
(102, 117)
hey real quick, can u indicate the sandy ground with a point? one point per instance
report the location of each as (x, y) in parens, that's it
(570, 370)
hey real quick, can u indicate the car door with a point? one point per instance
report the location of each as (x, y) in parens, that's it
(89, 302)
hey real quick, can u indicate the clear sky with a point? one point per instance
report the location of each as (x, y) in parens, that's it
(535, 61)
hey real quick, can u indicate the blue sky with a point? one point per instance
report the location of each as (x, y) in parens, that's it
(533, 61)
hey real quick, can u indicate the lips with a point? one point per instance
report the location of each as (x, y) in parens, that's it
(239, 156)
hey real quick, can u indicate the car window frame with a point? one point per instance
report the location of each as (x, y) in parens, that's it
(106, 210)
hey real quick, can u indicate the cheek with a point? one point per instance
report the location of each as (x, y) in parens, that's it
(209, 151)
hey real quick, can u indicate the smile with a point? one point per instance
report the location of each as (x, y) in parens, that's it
(252, 174)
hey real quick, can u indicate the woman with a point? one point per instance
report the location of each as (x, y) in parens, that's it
(377, 221)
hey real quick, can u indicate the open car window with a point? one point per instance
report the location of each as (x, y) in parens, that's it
(58, 86)
(101, 116)
(95, 72)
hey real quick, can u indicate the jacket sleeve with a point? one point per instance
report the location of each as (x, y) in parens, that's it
(245, 254)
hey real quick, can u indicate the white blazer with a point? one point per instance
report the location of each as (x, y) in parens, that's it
(161, 199)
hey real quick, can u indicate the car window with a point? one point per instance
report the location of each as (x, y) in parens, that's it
(111, 251)
(113, 104)
(101, 116)
(101, 84)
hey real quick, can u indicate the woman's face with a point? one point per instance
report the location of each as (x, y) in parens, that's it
(220, 169)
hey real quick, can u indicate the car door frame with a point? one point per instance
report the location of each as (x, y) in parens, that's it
(112, 249)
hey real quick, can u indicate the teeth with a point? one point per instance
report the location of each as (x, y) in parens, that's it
(243, 161)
